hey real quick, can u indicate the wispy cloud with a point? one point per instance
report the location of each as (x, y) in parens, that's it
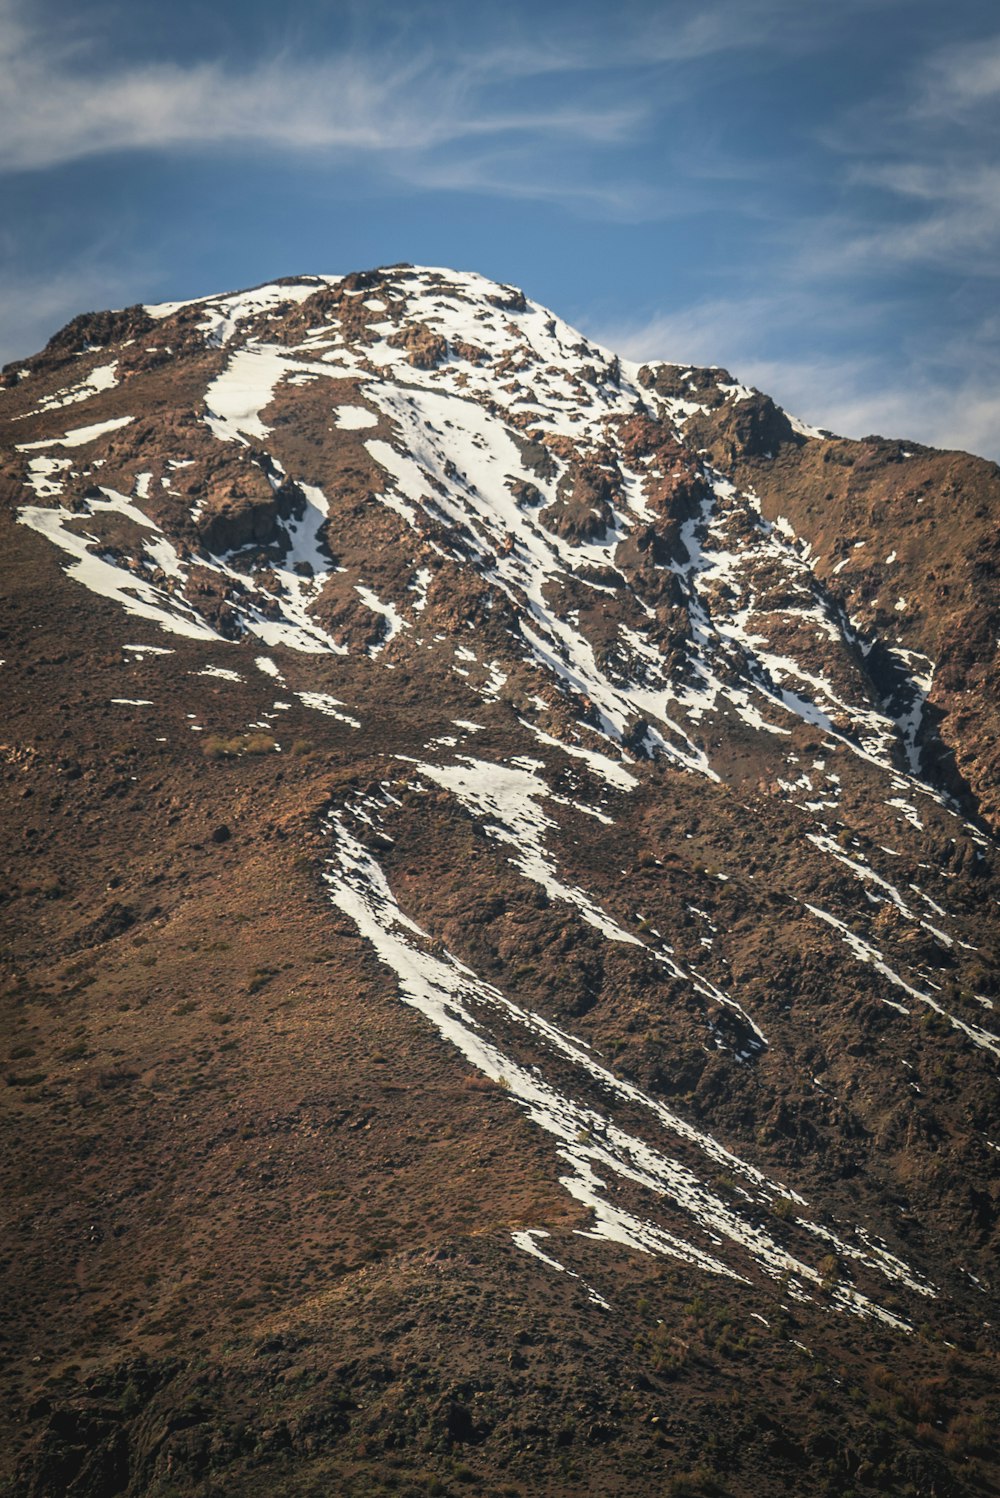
(951, 216)
(60, 101)
(530, 175)
(57, 106)
(855, 396)
(725, 330)
(958, 79)
(644, 35)
(929, 146)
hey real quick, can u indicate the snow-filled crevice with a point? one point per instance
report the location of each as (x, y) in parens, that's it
(605, 1165)
(865, 952)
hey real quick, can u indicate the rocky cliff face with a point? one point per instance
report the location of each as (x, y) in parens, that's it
(500, 899)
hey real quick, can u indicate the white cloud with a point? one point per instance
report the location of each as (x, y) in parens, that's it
(929, 147)
(59, 104)
(531, 174)
(734, 330)
(940, 212)
(46, 121)
(858, 396)
(958, 79)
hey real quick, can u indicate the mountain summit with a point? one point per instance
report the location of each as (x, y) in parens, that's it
(502, 853)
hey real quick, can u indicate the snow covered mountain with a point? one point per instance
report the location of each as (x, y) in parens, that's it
(551, 802)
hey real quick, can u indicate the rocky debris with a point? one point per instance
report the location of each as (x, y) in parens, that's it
(424, 349)
(749, 426)
(583, 511)
(98, 330)
(231, 518)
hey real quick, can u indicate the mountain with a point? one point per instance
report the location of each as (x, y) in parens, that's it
(499, 894)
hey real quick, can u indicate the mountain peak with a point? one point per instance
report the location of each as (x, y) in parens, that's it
(477, 432)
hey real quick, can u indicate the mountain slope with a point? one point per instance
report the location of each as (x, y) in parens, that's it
(500, 909)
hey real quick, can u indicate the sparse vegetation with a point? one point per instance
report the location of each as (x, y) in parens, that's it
(215, 746)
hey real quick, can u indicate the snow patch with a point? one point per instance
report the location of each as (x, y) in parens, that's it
(354, 418)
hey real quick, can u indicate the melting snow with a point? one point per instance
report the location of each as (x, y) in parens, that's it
(104, 377)
(78, 436)
(353, 418)
(322, 702)
(507, 796)
(460, 1006)
(134, 593)
(865, 952)
(42, 474)
(394, 621)
(219, 671)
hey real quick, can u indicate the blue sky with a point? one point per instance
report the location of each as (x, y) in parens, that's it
(806, 192)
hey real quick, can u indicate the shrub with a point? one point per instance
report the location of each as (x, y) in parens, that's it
(214, 746)
(969, 1434)
(829, 1268)
(116, 1076)
(698, 1483)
